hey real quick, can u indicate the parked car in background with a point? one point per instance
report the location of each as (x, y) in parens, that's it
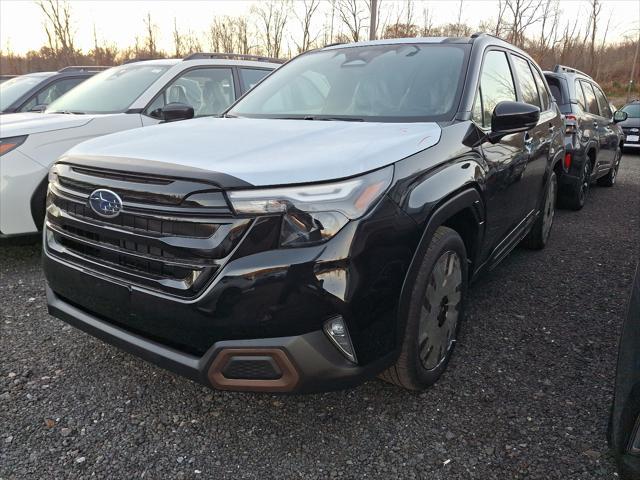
(323, 231)
(631, 126)
(34, 91)
(624, 425)
(124, 97)
(593, 139)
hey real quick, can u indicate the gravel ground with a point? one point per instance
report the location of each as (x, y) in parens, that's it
(527, 394)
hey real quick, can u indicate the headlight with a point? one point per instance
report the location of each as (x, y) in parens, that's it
(314, 213)
(9, 143)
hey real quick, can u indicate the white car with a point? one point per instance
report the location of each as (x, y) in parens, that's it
(125, 97)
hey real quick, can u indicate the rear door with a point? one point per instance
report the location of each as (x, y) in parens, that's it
(596, 124)
(538, 139)
(608, 130)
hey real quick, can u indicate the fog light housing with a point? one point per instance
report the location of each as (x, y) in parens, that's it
(336, 329)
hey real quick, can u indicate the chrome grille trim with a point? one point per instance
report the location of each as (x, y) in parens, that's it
(166, 247)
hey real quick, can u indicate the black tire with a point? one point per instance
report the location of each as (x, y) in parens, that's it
(609, 180)
(575, 197)
(538, 236)
(409, 370)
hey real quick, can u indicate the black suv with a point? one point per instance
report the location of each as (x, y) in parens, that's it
(34, 91)
(325, 230)
(593, 140)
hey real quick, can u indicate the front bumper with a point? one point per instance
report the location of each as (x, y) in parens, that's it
(306, 363)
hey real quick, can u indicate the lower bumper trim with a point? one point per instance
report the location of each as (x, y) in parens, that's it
(308, 363)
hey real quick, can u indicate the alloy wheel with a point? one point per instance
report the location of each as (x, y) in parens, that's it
(586, 181)
(440, 311)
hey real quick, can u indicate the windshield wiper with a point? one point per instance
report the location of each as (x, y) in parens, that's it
(68, 112)
(323, 118)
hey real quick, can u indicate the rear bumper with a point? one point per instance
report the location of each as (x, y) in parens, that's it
(303, 363)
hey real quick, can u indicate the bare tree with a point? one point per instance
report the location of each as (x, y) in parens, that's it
(310, 7)
(352, 13)
(595, 8)
(272, 17)
(58, 28)
(150, 41)
(549, 27)
(178, 43)
(524, 14)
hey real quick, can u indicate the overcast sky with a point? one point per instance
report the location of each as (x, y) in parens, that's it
(120, 21)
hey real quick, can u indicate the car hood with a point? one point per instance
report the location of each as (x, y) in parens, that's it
(630, 123)
(14, 124)
(259, 152)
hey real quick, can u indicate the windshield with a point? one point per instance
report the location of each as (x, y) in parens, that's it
(395, 83)
(111, 91)
(633, 110)
(14, 88)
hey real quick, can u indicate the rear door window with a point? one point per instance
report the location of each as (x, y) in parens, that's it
(605, 110)
(590, 97)
(527, 84)
(580, 96)
(496, 85)
(251, 76)
(542, 90)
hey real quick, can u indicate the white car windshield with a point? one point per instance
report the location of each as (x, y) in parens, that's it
(14, 88)
(633, 110)
(112, 91)
(405, 82)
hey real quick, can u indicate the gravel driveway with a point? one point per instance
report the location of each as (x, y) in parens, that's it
(527, 394)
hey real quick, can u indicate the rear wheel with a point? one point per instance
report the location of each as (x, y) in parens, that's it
(609, 180)
(537, 238)
(576, 197)
(435, 311)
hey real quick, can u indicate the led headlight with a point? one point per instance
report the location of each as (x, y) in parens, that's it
(9, 143)
(315, 213)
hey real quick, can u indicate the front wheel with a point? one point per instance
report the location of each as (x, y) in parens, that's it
(538, 236)
(436, 308)
(609, 180)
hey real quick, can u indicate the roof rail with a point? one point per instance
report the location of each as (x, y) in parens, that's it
(141, 59)
(231, 56)
(83, 68)
(485, 34)
(563, 68)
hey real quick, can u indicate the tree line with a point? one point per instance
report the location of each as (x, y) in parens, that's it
(284, 28)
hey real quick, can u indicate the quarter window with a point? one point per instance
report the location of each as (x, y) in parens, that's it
(605, 110)
(526, 82)
(209, 91)
(590, 97)
(496, 85)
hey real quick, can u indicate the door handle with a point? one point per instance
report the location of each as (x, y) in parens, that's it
(552, 128)
(528, 139)
(595, 124)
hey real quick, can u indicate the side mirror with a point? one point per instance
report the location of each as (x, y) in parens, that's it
(173, 112)
(620, 116)
(41, 107)
(512, 117)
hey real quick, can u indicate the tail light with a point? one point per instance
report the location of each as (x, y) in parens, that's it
(571, 124)
(567, 161)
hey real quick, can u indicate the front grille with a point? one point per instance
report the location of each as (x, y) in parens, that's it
(159, 241)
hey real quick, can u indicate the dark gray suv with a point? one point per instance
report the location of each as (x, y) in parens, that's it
(593, 140)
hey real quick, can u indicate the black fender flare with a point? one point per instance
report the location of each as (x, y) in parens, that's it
(467, 198)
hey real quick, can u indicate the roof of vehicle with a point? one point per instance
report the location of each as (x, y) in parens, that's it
(563, 70)
(475, 38)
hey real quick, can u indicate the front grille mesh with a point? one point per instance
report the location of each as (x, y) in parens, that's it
(154, 242)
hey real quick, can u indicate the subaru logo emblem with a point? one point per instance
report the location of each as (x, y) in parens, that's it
(105, 203)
